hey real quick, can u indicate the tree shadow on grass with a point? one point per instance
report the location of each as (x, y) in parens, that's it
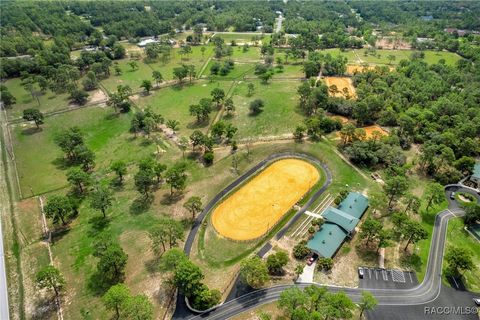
(61, 163)
(197, 125)
(97, 285)
(366, 254)
(411, 261)
(112, 116)
(59, 232)
(153, 265)
(98, 224)
(116, 184)
(146, 142)
(141, 204)
(169, 199)
(45, 308)
(31, 131)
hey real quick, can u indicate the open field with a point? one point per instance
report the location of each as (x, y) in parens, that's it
(174, 102)
(279, 116)
(458, 237)
(239, 70)
(256, 207)
(240, 37)
(45, 103)
(39, 160)
(382, 56)
(342, 83)
(134, 78)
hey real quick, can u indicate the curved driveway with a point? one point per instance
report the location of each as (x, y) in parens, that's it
(425, 292)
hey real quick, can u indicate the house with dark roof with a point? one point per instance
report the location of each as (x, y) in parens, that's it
(339, 224)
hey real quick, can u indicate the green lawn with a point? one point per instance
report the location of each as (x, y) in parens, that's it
(48, 101)
(239, 70)
(144, 71)
(174, 102)
(280, 114)
(241, 37)
(381, 56)
(38, 158)
(253, 53)
(457, 236)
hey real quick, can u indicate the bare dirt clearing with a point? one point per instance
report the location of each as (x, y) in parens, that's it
(344, 86)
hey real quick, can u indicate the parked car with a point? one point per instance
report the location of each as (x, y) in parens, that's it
(452, 195)
(311, 259)
(360, 272)
(477, 301)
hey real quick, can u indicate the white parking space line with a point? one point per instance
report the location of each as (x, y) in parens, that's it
(384, 275)
(410, 275)
(369, 274)
(376, 274)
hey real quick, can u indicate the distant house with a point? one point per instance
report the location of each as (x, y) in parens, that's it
(339, 224)
(144, 43)
(427, 18)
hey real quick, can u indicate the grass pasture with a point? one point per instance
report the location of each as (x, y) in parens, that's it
(134, 78)
(279, 116)
(241, 37)
(174, 102)
(46, 102)
(39, 159)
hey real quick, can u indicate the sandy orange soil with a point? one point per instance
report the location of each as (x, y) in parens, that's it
(341, 82)
(258, 205)
(357, 68)
(342, 119)
(371, 129)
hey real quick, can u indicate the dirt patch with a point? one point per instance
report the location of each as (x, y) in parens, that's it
(252, 210)
(392, 44)
(342, 119)
(370, 131)
(356, 68)
(98, 96)
(344, 87)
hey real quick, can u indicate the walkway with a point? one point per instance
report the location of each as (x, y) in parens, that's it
(307, 275)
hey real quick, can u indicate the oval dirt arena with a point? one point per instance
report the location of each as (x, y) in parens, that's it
(258, 205)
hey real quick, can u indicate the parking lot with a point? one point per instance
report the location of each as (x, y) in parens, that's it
(387, 279)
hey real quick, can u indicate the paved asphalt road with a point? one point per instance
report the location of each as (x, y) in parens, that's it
(424, 293)
(4, 212)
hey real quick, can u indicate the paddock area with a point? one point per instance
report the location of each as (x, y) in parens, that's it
(258, 205)
(344, 86)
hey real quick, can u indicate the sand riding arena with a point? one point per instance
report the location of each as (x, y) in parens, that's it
(257, 206)
(344, 87)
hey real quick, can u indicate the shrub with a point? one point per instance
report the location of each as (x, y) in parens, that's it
(300, 251)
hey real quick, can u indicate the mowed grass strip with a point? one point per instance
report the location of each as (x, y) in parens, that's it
(39, 159)
(279, 116)
(257, 206)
